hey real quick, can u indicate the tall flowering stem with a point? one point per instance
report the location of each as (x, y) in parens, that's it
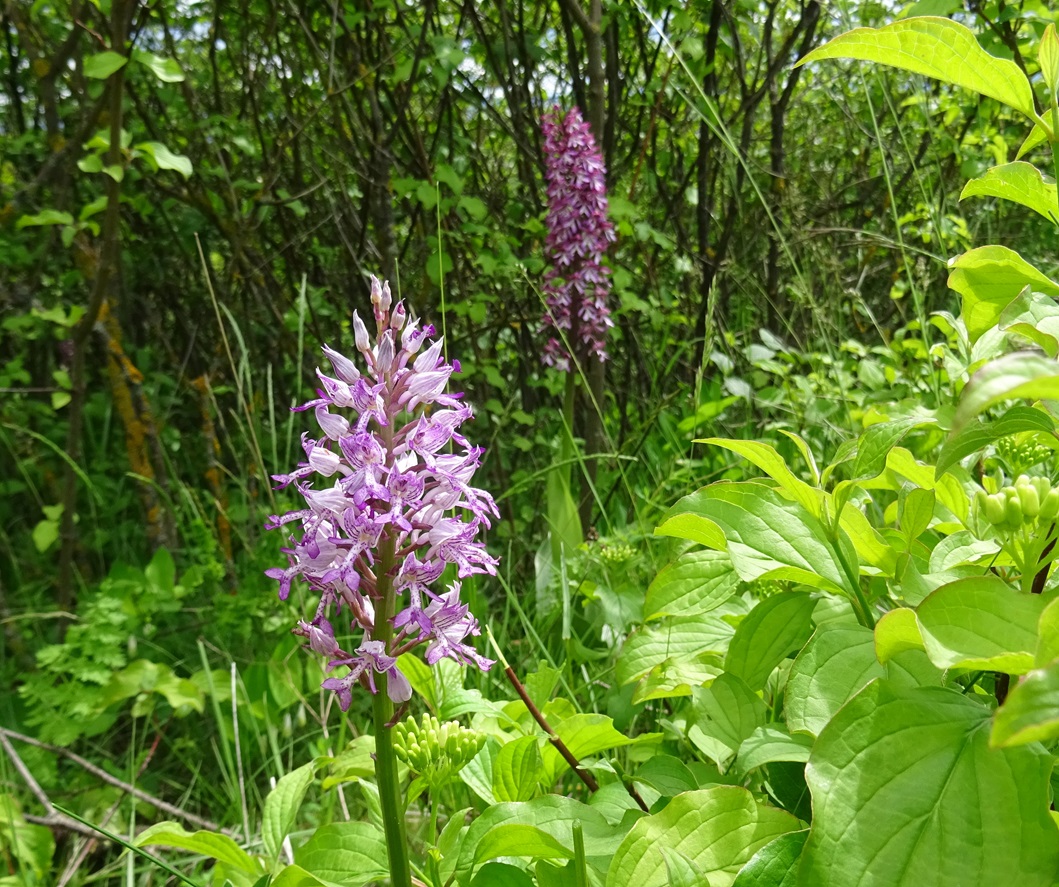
(389, 505)
(577, 283)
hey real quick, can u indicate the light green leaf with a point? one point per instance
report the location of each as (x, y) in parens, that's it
(1034, 316)
(519, 839)
(163, 158)
(775, 864)
(1037, 136)
(696, 582)
(516, 769)
(101, 65)
(776, 626)
(765, 457)
(1019, 182)
(1023, 374)
(726, 712)
(1048, 635)
(500, 874)
(875, 444)
(45, 217)
(667, 775)
(296, 876)
(1031, 711)
(938, 48)
(981, 623)
(835, 664)
(896, 632)
(988, 279)
(584, 735)
(215, 846)
(282, 805)
(766, 536)
(166, 70)
(680, 640)
(45, 535)
(348, 853)
(907, 792)
(977, 435)
(681, 871)
(769, 743)
(718, 829)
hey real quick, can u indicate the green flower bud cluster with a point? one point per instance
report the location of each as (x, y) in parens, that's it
(1021, 452)
(763, 588)
(429, 747)
(617, 554)
(1028, 500)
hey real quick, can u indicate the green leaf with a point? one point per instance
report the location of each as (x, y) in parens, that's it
(774, 465)
(775, 864)
(45, 217)
(678, 640)
(166, 70)
(718, 829)
(726, 712)
(697, 582)
(776, 626)
(1019, 182)
(282, 805)
(770, 743)
(938, 48)
(45, 535)
(163, 158)
(215, 846)
(875, 444)
(1038, 136)
(1031, 711)
(836, 664)
(981, 623)
(1048, 635)
(667, 775)
(519, 839)
(516, 769)
(766, 536)
(101, 65)
(585, 735)
(907, 792)
(500, 874)
(681, 871)
(897, 632)
(348, 853)
(988, 279)
(295, 876)
(1023, 374)
(1034, 316)
(977, 435)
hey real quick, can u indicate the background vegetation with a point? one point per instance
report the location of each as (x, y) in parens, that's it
(180, 234)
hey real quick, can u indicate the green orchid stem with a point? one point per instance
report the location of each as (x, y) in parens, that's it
(382, 714)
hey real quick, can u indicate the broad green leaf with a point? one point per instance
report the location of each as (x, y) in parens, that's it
(1031, 711)
(769, 743)
(896, 632)
(948, 490)
(718, 829)
(1034, 316)
(777, 626)
(875, 444)
(554, 815)
(282, 805)
(766, 536)
(774, 465)
(211, 844)
(519, 839)
(163, 158)
(678, 639)
(348, 853)
(500, 874)
(981, 623)
(835, 664)
(677, 677)
(516, 769)
(939, 48)
(1022, 375)
(907, 792)
(102, 64)
(478, 774)
(775, 864)
(667, 775)
(166, 70)
(355, 762)
(681, 871)
(45, 217)
(988, 279)
(1019, 182)
(696, 582)
(584, 735)
(977, 435)
(1038, 136)
(915, 512)
(296, 876)
(1048, 635)
(725, 714)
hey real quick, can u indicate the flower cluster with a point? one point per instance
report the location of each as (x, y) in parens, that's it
(576, 285)
(389, 504)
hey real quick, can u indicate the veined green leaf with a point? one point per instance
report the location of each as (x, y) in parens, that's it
(969, 815)
(1031, 711)
(727, 712)
(516, 770)
(776, 626)
(211, 844)
(938, 48)
(775, 864)
(1022, 375)
(896, 632)
(718, 829)
(282, 805)
(348, 853)
(977, 435)
(696, 582)
(774, 465)
(1019, 182)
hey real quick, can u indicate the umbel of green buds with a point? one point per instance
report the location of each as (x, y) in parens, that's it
(433, 749)
(1027, 501)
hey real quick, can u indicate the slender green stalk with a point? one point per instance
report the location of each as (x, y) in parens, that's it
(382, 714)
